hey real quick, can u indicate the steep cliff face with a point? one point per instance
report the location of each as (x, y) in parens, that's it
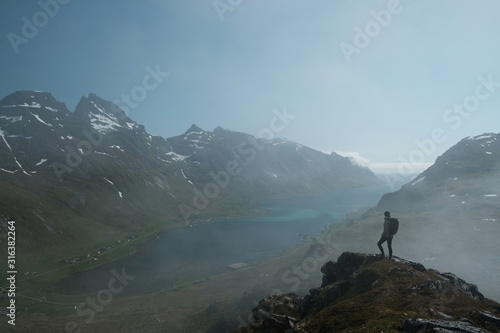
(367, 293)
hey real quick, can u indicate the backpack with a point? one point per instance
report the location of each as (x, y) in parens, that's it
(393, 226)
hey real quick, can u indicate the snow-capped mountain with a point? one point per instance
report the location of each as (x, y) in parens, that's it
(72, 173)
(467, 172)
(103, 115)
(25, 118)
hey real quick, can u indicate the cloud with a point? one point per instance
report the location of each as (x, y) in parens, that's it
(356, 158)
(387, 168)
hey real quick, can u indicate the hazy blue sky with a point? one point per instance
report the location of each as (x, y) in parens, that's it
(366, 77)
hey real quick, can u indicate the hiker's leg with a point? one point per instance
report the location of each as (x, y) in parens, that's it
(389, 245)
(379, 244)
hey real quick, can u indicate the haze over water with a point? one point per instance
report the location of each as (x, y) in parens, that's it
(191, 253)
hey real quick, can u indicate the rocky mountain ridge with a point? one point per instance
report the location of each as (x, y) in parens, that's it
(466, 173)
(95, 172)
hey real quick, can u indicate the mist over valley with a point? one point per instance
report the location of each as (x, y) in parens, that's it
(166, 217)
(232, 166)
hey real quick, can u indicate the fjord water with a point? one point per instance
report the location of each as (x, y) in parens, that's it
(189, 253)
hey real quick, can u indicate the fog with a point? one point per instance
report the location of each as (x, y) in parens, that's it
(370, 80)
(455, 228)
(197, 252)
(452, 237)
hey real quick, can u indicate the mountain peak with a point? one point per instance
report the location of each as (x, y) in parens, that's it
(194, 129)
(222, 129)
(103, 115)
(484, 136)
(100, 105)
(22, 95)
(34, 100)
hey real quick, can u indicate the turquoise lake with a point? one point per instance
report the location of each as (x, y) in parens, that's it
(188, 253)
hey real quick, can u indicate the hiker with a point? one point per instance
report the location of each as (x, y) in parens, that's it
(386, 235)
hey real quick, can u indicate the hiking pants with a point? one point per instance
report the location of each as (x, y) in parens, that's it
(389, 245)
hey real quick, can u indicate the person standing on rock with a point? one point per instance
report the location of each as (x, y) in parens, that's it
(386, 235)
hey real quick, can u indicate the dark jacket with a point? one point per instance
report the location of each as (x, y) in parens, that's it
(386, 233)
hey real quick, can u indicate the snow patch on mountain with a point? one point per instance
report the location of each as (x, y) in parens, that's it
(133, 126)
(101, 153)
(184, 175)
(120, 194)
(117, 147)
(161, 159)
(103, 121)
(20, 136)
(33, 105)
(482, 136)
(418, 181)
(40, 119)
(193, 132)
(195, 144)
(12, 119)
(2, 134)
(21, 167)
(177, 157)
(43, 160)
(103, 124)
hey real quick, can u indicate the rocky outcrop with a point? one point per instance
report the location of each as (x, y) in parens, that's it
(442, 326)
(278, 313)
(449, 278)
(361, 293)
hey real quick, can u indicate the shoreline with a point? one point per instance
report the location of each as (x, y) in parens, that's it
(215, 270)
(33, 286)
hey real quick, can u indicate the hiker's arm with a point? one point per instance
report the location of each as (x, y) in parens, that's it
(386, 227)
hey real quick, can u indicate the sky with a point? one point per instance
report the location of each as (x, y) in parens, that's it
(391, 83)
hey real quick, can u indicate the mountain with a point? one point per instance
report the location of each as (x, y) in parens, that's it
(367, 293)
(466, 175)
(84, 177)
(450, 213)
